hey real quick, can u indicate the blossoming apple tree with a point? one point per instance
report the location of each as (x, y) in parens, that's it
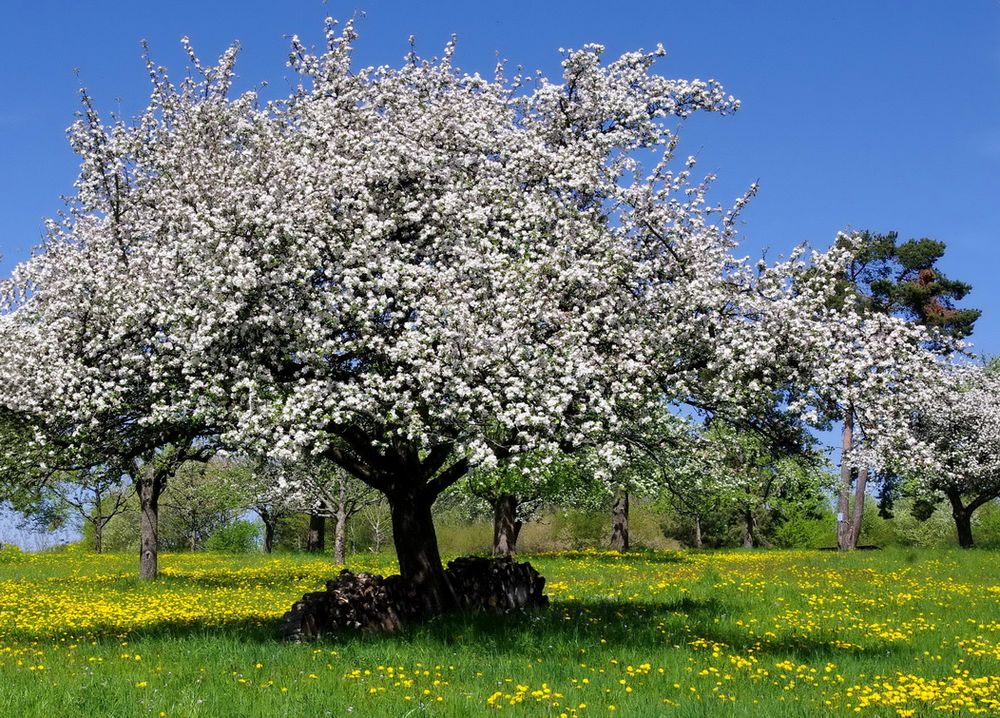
(959, 419)
(413, 271)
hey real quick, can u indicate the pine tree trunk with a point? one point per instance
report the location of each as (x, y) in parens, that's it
(316, 541)
(963, 519)
(417, 551)
(844, 531)
(339, 537)
(506, 527)
(619, 522)
(859, 506)
(149, 489)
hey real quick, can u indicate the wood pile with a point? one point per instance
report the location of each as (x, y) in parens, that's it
(370, 603)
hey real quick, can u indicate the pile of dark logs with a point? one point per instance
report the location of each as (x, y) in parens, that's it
(367, 602)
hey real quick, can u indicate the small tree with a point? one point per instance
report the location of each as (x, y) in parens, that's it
(276, 489)
(669, 453)
(757, 480)
(515, 490)
(96, 496)
(376, 517)
(200, 501)
(267, 489)
(960, 419)
(335, 494)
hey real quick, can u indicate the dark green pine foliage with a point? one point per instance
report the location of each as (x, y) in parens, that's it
(904, 280)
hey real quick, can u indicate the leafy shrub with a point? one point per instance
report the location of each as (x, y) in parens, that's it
(937, 530)
(237, 537)
(986, 526)
(800, 531)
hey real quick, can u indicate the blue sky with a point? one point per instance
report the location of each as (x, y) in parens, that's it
(881, 115)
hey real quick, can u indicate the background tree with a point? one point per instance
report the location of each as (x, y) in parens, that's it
(961, 420)
(316, 538)
(899, 279)
(757, 480)
(517, 489)
(276, 489)
(671, 452)
(335, 494)
(95, 496)
(620, 538)
(200, 501)
(267, 488)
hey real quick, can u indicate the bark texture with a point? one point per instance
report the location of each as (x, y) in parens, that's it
(963, 518)
(417, 552)
(316, 540)
(149, 489)
(619, 522)
(845, 528)
(270, 524)
(749, 529)
(506, 526)
(858, 510)
(340, 536)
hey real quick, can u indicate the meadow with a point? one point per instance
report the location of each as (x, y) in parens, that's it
(747, 633)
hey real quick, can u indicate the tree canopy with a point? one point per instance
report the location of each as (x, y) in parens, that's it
(413, 271)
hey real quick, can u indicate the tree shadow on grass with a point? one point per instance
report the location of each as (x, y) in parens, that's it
(619, 628)
(567, 623)
(614, 627)
(610, 557)
(563, 627)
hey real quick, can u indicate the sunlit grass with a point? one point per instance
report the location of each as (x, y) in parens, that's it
(686, 634)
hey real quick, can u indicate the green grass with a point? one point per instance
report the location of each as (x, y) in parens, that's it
(789, 633)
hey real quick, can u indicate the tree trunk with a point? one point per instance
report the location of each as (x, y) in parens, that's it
(149, 489)
(417, 551)
(749, 539)
(506, 527)
(269, 523)
(963, 519)
(377, 524)
(194, 540)
(844, 531)
(697, 532)
(963, 525)
(619, 522)
(98, 537)
(339, 535)
(859, 505)
(316, 540)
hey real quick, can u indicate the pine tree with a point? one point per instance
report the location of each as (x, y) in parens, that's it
(901, 280)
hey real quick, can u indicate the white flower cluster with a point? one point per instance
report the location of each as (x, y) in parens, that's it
(958, 419)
